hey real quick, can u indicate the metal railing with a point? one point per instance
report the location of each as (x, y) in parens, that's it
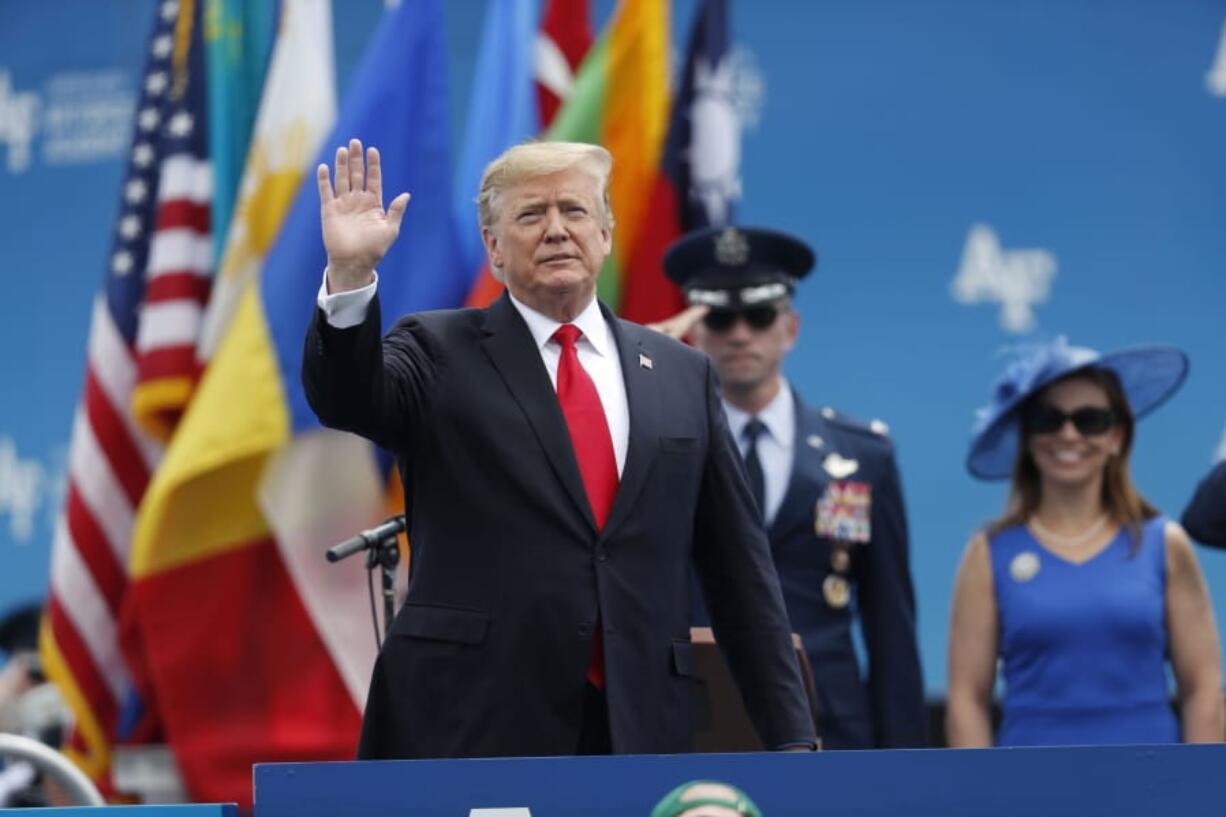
(55, 765)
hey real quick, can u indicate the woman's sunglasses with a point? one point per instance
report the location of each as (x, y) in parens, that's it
(1090, 421)
(758, 317)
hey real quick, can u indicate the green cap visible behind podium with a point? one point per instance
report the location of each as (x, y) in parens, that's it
(706, 798)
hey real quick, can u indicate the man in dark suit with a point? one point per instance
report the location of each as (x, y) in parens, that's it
(563, 469)
(1205, 517)
(827, 485)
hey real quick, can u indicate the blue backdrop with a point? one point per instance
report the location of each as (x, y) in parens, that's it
(1081, 145)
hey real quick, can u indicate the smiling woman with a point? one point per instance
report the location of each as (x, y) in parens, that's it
(1082, 588)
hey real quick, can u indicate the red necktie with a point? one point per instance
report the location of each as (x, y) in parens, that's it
(589, 434)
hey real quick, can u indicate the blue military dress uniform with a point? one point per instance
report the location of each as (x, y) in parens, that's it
(843, 480)
(885, 708)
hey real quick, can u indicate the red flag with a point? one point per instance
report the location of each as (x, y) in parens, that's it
(566, 35)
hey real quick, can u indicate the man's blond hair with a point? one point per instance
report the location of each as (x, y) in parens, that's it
(540, 159)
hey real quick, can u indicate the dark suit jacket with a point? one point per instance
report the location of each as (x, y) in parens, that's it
(509, 574)
(888, 710)
(1205, 516)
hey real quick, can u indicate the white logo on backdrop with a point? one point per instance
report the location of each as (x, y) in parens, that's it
(87, 116)
(1215, 80)
(1016, 279)
(23, 484)
(18, 120)
(79, 116)
(1221, 448)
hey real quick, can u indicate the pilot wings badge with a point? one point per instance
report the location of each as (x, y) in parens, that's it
(838, 466)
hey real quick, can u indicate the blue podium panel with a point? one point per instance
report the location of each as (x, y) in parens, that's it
(199, 810)
(1122, 781)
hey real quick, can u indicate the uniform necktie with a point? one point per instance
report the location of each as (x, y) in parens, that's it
(593, 444)
(753, 465)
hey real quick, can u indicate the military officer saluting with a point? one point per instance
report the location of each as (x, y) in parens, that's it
(827, 486)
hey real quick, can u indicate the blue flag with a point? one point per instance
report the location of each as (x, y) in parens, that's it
(502, 111)
(397, 102)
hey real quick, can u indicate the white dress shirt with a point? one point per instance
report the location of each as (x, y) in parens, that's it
(596, 348)
(776, 445)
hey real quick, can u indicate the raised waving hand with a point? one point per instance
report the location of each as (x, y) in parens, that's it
(357, 231)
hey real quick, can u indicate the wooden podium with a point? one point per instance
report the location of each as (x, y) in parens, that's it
(721, 723)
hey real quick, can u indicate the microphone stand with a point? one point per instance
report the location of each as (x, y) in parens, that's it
(383, 552)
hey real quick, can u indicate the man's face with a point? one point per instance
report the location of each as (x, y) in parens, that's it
(747, 357)
(549, 237)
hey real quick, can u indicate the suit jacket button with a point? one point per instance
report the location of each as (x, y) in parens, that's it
(602, 555)
(585, 630)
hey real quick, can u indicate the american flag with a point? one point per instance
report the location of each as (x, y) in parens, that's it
(180, 253)
(155, 285)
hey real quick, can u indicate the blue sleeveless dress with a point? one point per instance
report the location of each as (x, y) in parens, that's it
(1083, 647)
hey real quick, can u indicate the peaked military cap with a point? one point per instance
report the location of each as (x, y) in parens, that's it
(737, 267)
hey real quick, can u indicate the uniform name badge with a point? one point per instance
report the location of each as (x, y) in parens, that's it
(844, 512)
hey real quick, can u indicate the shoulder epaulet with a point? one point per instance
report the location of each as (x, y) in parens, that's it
(873, 428)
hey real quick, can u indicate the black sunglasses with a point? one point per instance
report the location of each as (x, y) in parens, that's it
(758, 317)
(1090, 421)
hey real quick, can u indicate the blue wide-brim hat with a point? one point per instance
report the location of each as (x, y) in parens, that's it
(1148, 375)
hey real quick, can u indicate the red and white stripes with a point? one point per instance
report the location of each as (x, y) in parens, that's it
(178, 276)
(110, 462)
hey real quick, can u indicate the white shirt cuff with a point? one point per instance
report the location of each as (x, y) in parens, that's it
(345, 309)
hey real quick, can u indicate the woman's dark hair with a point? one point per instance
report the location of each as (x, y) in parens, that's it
(1121, 500)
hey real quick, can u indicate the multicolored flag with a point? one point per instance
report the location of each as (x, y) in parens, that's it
(260, 650)
(620, 100)
(238, 37)
(161, 226)
(296, 112)
(699, 177)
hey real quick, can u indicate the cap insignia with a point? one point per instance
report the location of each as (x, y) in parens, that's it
(731, 247)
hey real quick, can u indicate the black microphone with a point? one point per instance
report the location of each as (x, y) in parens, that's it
(369, 538)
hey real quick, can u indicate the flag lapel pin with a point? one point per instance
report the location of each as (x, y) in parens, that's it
(645, 361)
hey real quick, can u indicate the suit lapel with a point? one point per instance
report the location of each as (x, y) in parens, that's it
(643, 402)
(513, 351)
(807, 480)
